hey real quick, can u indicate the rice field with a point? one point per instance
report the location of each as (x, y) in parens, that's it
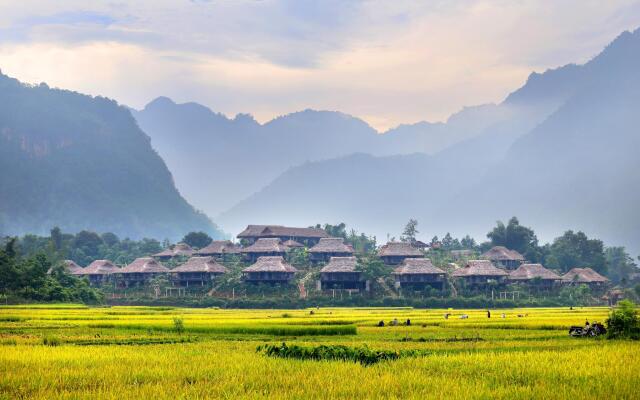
(76, 352)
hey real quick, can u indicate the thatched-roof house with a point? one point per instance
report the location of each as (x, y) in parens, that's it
(292, 244)
(329, 247)
(584, 276)
(342, 273)
(98, 272)
(417, 273)
(198, 271)
(479, 273)
(69, 266)
(269, 269)
(504, 257)
(180, 249)
(264, 248)
(393, 253)
(534, 274)
(141, 271)
(220, 249)
(309, 236)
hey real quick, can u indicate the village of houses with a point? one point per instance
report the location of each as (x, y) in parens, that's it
(266, 250)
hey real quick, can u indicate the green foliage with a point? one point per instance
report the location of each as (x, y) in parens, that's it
(516, 237)
(360, 242)
(197, 240)
(372, 267)
(620, 264)
(51, 341)
(623, 322)
(410, 231)
(178, 325)
(362, 355)
(577, 250)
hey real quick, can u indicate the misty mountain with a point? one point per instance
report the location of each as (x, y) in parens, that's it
(576, 167)
(218, 161)
(81, 162)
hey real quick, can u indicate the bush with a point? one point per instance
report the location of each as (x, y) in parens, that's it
(623, 322)
(178, 324)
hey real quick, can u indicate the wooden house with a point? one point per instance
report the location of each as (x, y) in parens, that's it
(99, 272)
(480, 273)
(141, 271)
(418, 273)
(197, 271)
(263, 248)
(219, 249)
(534, 274)
(269, 269)
(292, 244)
(342, 273)
(180, 249)
(307, 236)
(329, 247)
(503, 257)
(393, 253)
(584, 276)
(69, 266)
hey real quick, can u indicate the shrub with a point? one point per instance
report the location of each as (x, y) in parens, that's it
(178, 324)
(623, 322)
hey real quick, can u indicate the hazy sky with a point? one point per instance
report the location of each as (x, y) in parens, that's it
(385, 61)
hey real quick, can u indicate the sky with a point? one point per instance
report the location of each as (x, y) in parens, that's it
(387, 62)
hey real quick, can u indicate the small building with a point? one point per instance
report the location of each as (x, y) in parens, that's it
(308, 236)
(141, 271)
(179, 250)
(197, 271)
(219, 249)
(584, 276)
(69, 266)
(393, 253)
(329, 247)
(269, 269)
(503, 257)
(342, 273)
(419, 244)
(99, 272)
(263, 248)
(418, 273)
(480, 273)
(534, 274)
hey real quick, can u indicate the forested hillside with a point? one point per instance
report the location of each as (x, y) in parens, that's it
(81, 162)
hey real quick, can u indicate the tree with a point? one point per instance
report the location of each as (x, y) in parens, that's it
(620, 264)
(468, 242)
(515, 237)
(577, 250)
(56, 238)
(410, 231)
(197, 240)
(623, 322)
(339, 230)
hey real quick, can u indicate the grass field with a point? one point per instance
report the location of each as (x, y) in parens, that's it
(74, 352)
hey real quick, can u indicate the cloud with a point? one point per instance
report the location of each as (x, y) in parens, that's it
(390, 62)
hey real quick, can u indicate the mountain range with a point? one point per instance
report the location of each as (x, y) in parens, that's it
(81, 162)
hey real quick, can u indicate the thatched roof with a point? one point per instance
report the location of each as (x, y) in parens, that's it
(583, 275)
(98, 267)
(180, 249)
(341, 264)
(266, 245)
(501, 253)
(270, 264)
(422, 266)
(479, 268)
(331, 245)
(201, 264)
(281, 231)
(292, 244)
(219, 247)
(399, 249)
(532, 271)
(70, 266)
(144, 265)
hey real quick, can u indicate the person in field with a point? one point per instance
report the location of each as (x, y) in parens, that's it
(488, 314)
